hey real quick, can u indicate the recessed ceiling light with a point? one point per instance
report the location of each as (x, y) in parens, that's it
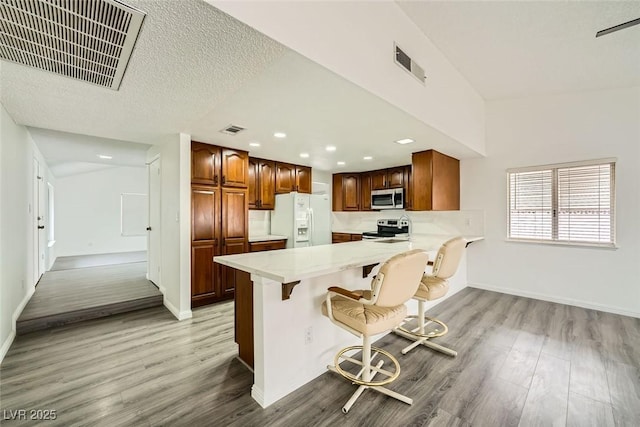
(102, 156)
(404, 141)
(254, 144)
(280, 135)
(330, 148)
(304, 155)
(341, 163)
(367, 157)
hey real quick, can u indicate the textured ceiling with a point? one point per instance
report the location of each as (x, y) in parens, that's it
(509, 49)
(196, 70)
(189, 57)
(315, 108)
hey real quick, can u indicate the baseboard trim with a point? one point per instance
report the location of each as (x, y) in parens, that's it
(556, 299)
(6, 345)
(180, 315)
(258, 396)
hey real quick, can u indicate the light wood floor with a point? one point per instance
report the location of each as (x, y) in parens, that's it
(83, 261)
(86, 293)
(521, 362)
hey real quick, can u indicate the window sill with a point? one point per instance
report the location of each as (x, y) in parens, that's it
(610, 246)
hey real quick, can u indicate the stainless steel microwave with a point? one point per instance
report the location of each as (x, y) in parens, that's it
(387, 199)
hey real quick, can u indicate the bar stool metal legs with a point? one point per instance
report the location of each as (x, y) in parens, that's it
(365, 378)
(420, 336)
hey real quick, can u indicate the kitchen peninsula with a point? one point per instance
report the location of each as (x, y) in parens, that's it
(280, 329)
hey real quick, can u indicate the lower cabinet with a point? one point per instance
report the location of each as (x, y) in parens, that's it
(267, 245)
(205, 282)
(345, 237)
(243, 326)
(244, 302)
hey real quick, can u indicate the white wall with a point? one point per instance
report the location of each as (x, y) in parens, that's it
(175, 250)
(553, 129)
(355, 40)
(17, 278)
(87, 211)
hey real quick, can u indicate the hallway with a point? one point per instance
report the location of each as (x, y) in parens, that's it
(92, 287)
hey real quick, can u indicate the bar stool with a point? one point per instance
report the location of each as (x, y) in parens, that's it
(434, 286)
(369, 312)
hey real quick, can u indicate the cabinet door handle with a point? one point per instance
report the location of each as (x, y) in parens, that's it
(215, 180)
(148, 228)
(41, 227)
(296, 188)
(259, 203)
(224, 179)
(223, 242)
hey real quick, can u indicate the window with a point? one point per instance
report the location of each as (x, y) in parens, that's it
(565, 203)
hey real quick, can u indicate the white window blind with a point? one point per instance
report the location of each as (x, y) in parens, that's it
(571, 203)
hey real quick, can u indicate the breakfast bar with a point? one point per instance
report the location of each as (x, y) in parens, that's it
(280, 330)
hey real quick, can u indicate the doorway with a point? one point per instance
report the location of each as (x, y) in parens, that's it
(39, 236)
(153, 230)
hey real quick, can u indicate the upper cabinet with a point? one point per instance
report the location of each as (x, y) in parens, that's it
(235, 168)
(365, 191)
(435, 181)
(303, 179)
(268, 178)
(205, 164)
(408, 188)
(346, 192)
(431, 182)
(213, 165)
(262, 183)
(387, 178)
(285, 178)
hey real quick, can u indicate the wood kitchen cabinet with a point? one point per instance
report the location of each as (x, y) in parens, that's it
(205, 244)
(262, 181)
(435, 181)
(303, 179)
(395, 177)
(219, 220)
(387, 178)
(234, 232)
(205, 163)
(346, 192)
(234, 168)
(408, 189)
(365, 191)
(267, 245)
(345, 237)
(285, 178)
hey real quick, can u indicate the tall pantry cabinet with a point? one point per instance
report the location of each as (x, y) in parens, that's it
(219, 218)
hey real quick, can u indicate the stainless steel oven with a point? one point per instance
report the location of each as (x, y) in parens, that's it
(387, 199)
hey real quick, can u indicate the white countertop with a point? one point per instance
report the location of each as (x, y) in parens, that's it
(266, 238)
(289, 265)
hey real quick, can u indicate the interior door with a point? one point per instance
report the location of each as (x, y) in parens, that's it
(39, 236)
(153, 231)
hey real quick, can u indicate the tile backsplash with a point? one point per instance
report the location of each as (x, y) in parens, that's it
(467, 222)
(259, 223)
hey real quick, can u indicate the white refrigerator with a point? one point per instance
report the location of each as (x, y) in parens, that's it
(305, 219)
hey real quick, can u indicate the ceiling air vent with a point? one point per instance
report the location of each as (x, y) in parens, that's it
(88, 40)
(232, 129)
(404, 61)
